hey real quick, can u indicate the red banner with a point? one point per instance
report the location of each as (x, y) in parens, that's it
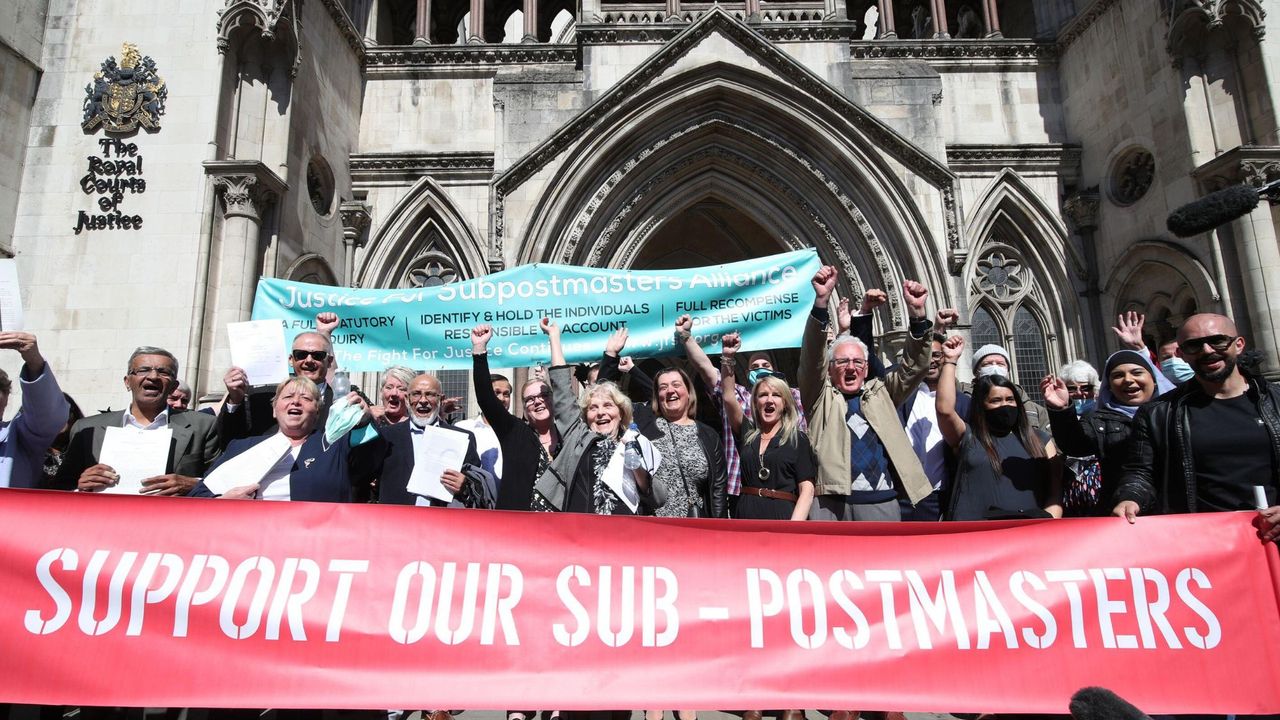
(113, 600)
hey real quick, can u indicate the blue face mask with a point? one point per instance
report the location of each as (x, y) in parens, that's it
(1177, 369)
(1083, 406)
(754, 376)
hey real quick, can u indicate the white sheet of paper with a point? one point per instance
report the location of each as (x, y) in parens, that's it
(440, 450)
(135, 455)
(258, 348)
(10, 296)
(615, 473)
(249, 466)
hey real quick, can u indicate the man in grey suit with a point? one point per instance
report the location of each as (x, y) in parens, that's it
(151, 377)
(24, 440)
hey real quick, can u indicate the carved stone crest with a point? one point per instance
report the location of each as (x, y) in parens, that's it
(125, 95)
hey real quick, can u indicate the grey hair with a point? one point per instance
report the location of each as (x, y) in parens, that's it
(184, 388)
(845, 339)
(399, 372)
(327, 341)
(1079, 371)
(149, 350)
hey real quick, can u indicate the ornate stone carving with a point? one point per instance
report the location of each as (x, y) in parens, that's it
(1259, 172)
(124, 96)
(1002, 276)
(986, 53)
(271, 19)
(1192, 22)
(246, 188)
(421, 56)
(1081, 210)
(1082, 22)
(356, 218)
(1049, 157)
(354, 39)
(1132, 175)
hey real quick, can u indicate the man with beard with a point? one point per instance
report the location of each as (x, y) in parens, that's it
(1202, 447)
(151, 376)
(247, 411)
(471, 487)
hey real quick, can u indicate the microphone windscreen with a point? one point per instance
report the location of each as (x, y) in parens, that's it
(1212, 210)
(1095, 703)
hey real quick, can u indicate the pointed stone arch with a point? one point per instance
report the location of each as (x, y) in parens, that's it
(311, 268)
(1166, 282)
(1022, 259)
(829, 183)
(423, 239)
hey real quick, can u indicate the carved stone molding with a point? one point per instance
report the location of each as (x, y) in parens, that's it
(1082, 22)
(354, 39)
(410, 57)
(246, 188)
(1192, 22)
(1252, 164)
(271, 19)
(1056, 158)
(986, 53)
(622, 33)
(356, 218)
(1080, 210)
(371, 166)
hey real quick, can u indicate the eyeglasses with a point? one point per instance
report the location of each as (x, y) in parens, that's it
(420, 395)
(849, 362)
(317, 355)
(1217, 343)
(544, 396)
(146, 370)
(1079, 389)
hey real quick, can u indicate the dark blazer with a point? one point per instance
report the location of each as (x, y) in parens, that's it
(193, 447)
(253, 417)
(397, 464)
(322, 472)
(521, 448)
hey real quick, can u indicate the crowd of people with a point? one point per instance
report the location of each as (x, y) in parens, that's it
(1187, 428)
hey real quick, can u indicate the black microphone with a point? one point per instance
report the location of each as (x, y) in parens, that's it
(1212, 210)
(1095, 703)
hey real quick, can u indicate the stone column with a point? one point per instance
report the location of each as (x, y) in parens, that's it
(355, 221)
(248, 192)
(422, 24)
(991, 19)
(673, 11)
(1081, 212)
(475, 33)
(939, 10)
(530, 9)
(1259, 253)
(887, 31)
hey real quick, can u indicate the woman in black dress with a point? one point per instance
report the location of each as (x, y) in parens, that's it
(777, 462)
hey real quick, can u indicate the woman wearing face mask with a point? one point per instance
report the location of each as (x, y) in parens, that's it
(1129, 382)
(1005, 468)
(589, 470)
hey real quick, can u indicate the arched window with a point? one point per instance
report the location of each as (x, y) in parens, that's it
(1029, 354)
(985, 331)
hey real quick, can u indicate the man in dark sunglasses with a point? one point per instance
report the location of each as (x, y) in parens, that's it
(1204, 446)
(247, 411)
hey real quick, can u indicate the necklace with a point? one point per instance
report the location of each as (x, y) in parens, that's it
(763, 473)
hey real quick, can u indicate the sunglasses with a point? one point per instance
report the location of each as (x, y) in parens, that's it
(1217, 343)
(317, 355)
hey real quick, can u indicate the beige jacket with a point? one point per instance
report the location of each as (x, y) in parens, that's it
(828, 433)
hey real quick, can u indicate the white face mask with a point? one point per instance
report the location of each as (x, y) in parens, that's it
(989, 370)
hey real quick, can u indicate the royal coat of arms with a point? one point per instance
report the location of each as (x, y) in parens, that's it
(125, 95)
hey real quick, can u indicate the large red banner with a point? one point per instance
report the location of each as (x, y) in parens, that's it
(143, 601)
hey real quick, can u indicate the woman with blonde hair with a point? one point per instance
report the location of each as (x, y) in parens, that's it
(777, 462)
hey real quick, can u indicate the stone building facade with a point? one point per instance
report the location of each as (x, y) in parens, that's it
(1018, 157)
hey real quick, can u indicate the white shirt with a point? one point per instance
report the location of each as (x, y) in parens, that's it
(162, 420)
(926, 437)
(275, 484)
(486, 444)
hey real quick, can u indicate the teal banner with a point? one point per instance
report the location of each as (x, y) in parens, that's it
(766, 299)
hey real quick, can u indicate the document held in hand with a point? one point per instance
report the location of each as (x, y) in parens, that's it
(135, 455)
(439, 450)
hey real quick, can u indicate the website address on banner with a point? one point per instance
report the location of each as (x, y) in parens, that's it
(615, 606)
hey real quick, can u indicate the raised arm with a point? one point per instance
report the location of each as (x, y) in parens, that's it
(949, 421)
(813, 347)
(915, 356)
(564, 405)
(609, 368)
(494, 410)
(730, 343)
(861, 326)
(684, 337)
(552, 332)
(1068, 429)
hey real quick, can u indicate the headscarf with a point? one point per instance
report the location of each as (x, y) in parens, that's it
(1130, 357)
